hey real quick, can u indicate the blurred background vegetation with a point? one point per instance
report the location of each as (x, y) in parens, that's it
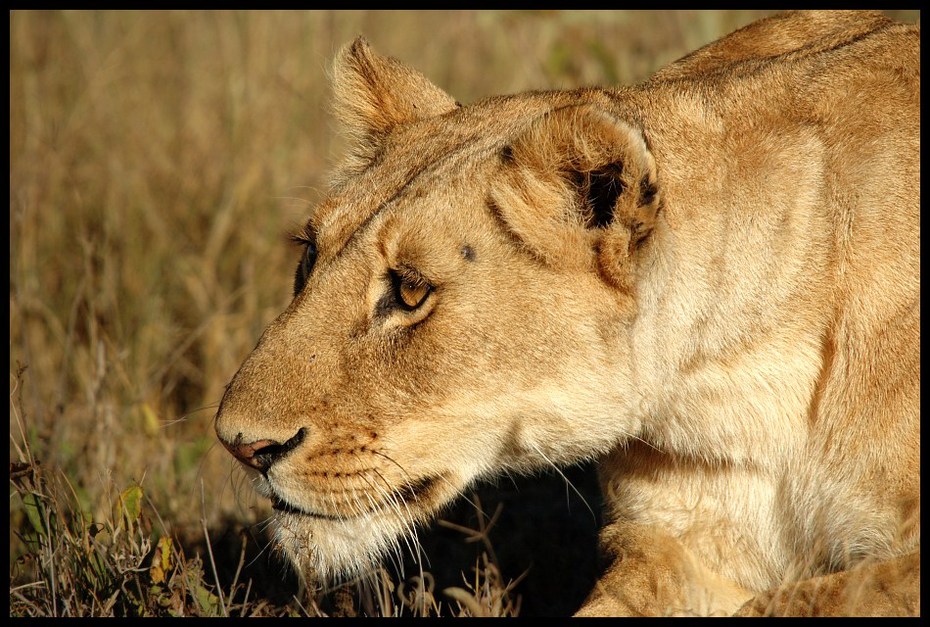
(158, 161)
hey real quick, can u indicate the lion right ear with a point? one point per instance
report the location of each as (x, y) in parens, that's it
(579, 187)
(373, 94)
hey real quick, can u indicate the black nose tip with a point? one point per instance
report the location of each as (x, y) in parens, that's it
(261, 454)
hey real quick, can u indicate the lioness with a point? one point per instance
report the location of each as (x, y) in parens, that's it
(710, 281)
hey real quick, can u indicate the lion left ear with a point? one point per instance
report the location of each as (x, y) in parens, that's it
(579, 179)
(373, 94)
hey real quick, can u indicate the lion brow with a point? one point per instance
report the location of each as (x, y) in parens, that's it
(413, 177)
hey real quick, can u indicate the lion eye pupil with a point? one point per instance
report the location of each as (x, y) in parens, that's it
(413, 293)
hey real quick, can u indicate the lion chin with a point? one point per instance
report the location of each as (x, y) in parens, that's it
(330, 549)
(326, 548)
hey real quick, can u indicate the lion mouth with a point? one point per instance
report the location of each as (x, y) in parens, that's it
(416, 492)
(280, 505)
(420, 489)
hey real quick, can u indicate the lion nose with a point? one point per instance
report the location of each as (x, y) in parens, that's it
(261, 454)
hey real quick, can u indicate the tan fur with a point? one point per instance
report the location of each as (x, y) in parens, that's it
(709, 281)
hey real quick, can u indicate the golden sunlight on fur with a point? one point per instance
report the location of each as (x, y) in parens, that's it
(710, 282)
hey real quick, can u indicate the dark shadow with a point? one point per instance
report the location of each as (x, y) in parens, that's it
(272, 579)
(545, 529)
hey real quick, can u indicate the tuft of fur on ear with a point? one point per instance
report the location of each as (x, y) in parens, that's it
(373, 94)
(580, 183)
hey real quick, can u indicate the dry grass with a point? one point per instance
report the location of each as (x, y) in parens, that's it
(156, 161)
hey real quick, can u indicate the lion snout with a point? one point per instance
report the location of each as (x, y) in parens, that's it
(261, 454)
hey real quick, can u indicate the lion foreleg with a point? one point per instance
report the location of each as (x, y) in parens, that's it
(873, 588)
(650, 573)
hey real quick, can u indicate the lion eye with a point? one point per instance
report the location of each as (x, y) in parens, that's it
(411, 291)
(305, 267)
(308, 260)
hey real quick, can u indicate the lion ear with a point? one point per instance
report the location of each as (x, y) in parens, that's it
(373, 94)
(579, 183)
